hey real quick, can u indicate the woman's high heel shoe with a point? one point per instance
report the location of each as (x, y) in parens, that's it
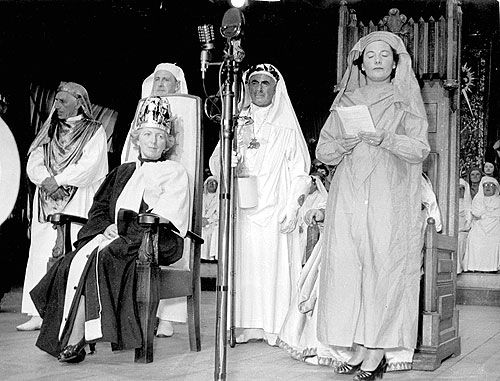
(73, 353)
(346, 368)
(369, 375)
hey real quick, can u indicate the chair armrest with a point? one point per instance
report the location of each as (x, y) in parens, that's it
(62, 223)
(63, 219)
(151, 219)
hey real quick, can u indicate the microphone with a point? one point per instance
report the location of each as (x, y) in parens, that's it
(206, 36)
(232, 23)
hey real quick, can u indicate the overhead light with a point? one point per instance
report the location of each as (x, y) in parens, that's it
(238, 3)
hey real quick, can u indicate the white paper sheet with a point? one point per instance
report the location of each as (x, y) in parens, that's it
(355, 119)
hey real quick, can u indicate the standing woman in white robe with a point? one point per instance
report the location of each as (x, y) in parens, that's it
(267, 259)
(210, 225)
(483, 244)
(370, 268)
(166, 79)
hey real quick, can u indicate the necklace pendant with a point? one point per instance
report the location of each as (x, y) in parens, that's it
(254, 144)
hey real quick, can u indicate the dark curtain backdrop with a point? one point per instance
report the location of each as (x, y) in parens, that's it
(111, 46)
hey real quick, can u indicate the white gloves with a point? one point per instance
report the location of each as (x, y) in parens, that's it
(288, 219)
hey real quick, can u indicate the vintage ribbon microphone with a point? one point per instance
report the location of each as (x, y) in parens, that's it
(231, 29)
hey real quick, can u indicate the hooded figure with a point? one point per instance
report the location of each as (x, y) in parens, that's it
(370, 267)
(274, 158)
(483, 244)
(67, 163)
(166, 79)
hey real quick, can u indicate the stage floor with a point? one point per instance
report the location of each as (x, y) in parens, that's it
(21, 360)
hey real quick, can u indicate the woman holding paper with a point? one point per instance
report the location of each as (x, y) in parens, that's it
(369, 281)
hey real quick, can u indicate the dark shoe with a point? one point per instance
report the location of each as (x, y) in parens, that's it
(369, 375)
(73, 353)
(346, 368)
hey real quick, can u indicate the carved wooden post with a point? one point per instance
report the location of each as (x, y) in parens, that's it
(147, 292)
(341, 40)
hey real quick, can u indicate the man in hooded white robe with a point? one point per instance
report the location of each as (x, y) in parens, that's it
(267, 258)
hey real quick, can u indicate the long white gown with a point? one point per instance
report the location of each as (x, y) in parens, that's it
(483, 244)
(268, 262)
(87, 175)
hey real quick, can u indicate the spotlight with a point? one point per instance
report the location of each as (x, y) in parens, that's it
(238, 3)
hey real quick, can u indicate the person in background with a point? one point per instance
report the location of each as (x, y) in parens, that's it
(166, 79)
(67, 163)
(475, 175)
(370, 271)
(210, 224)
(274, 159)
(483, 243)
(464, 221)
(315, 199)
(489, 169)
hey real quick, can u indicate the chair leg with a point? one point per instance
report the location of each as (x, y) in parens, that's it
(147, 298)
(193, 310)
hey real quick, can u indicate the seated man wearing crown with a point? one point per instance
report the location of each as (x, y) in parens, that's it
(88, 296)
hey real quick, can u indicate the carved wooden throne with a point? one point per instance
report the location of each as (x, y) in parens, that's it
(434, 45)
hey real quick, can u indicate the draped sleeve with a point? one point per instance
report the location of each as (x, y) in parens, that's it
(36, 170)
(329, 150)
(412, 146)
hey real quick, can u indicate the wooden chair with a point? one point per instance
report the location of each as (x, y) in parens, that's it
(181, 279)
(438, 321)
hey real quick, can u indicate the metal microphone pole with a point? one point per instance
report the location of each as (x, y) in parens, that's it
(229, 100)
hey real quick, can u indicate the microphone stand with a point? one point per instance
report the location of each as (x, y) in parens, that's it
(231, 69)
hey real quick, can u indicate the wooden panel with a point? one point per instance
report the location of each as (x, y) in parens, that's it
(431, 111)
(446, 305)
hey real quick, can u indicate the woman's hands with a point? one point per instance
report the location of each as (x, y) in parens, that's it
(348, 142)
(111, 231)
(372, 138)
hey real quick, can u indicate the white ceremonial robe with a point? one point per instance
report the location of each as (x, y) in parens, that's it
(482, 251)
(210, 232)
(267, 262)
(87, 174)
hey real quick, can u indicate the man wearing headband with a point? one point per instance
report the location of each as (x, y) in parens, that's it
(274, 162)
(67, 163)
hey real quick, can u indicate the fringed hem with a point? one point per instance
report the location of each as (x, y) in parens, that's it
(399, 366)
(307, 354)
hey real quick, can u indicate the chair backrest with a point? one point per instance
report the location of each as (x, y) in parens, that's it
(186, 109)
(41, 100)
(186, 112)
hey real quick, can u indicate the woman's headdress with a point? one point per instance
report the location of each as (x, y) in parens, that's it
(406, 88)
